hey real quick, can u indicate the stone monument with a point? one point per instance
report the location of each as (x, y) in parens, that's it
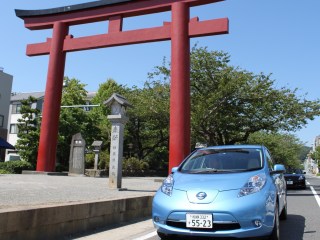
(77, 151)
(97, 147)
(118, 120)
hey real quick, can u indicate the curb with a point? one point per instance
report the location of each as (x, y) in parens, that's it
(64, 220)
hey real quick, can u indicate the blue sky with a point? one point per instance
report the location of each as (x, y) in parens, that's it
(269, 36)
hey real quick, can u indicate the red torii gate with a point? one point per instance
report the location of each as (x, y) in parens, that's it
(179, 30)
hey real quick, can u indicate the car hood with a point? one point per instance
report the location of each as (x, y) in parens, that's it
(204, 188)
(213, 181)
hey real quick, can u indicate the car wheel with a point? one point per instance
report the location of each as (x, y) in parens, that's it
(284, 212)
(164, 236)
(275, 235)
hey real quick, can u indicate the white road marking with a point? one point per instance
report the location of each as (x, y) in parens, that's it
(308, 183)
(315, 195)
(150, 235)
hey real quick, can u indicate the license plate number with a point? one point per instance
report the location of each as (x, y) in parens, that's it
(199, 220)
(289, 182)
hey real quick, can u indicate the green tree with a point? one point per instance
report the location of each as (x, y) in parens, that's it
(228, 103)
(148, 123)
(146, 133)
(100, 114)
(316, 155)
(29, 131)
(74, 119)
(304, 153)
(285, 148)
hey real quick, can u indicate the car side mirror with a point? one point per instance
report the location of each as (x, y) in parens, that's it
(278, 168)
(174, 169)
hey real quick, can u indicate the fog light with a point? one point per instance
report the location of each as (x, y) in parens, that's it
(156, 219)
(257, 223)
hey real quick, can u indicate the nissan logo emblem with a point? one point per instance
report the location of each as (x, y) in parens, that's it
(201, 195)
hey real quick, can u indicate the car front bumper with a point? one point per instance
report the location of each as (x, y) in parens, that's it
(244, 217)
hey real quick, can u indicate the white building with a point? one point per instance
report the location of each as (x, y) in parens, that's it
(5, 92)
(14, 113)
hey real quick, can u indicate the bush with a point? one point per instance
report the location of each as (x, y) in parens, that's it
(134, 165)
(89, 162)
(103, 163)
(2, 171)
(104, 160)
(61, 168)
(15, 166)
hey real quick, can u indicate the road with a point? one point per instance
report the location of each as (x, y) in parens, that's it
(303, 221)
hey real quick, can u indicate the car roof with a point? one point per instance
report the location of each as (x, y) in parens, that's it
(235, 147)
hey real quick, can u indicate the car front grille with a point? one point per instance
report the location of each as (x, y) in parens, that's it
(216, 226)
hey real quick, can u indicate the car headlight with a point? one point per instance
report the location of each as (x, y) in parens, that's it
(254, 184)
(301, 178)
(167, 185)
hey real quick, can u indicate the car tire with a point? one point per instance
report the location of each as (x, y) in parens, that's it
(284, 212)
(275, 235)
(164, 236)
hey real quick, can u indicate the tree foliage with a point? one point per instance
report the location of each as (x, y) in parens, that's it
(149, 121)
(29, 131)
(228, 103)
(285, 148)
(146, 133)
(101, 113)
(74, 119)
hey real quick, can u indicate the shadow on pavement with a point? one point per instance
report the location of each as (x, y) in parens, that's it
(292, 233)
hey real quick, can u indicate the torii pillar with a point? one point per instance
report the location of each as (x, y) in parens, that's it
(179, 138)
(179, 31)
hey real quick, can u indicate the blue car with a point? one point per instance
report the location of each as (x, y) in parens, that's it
(222, 191)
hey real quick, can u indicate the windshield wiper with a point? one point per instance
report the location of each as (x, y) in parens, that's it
(211, 170)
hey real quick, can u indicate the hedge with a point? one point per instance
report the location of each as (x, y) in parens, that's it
(13, 167)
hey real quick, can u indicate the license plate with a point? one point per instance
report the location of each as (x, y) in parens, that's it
(195, 220)
(289, 182)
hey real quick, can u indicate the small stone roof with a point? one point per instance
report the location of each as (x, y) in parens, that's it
(118, 98)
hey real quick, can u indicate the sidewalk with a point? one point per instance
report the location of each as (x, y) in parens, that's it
(44, 207)
(23, 191)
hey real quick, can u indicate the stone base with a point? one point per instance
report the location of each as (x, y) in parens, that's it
(45, 173)
(96, 173)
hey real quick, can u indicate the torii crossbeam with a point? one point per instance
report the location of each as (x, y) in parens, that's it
(179, 31)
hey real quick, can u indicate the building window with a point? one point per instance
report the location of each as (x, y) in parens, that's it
(14, 128)
(16, 108)
(1, 120)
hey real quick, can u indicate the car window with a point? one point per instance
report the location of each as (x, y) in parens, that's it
(294, 171)
(223, 160)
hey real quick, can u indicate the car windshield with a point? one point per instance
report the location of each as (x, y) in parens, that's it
(211, 160)
(294, 171)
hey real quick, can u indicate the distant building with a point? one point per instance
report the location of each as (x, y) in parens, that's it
(5, 91)
(14, 113)
(15, 108)
(316, 142)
